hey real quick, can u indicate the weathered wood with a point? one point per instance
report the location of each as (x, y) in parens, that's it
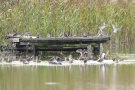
(52, 48)
(33, 44)
(69, 40)
(13, 39)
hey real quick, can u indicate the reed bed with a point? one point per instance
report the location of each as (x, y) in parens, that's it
(55, 16)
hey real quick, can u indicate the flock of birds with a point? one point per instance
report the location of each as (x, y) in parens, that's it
(58, 60)
(83, 53)
(24, 60)
(101, 32)
(82, 57)
(26, 34)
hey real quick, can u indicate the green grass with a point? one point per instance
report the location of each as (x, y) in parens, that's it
(55, 16)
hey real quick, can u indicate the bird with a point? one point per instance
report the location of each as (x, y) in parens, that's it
(48, 35)
(85, 59)
(101, 28)
(53, 60)
(59, 59)
(117, 59)
(1, 59)
(63, 34)
(38, 35)
(21, 59)
(66, 59)
(29, 58)
(25, 62)
(22, 34)
(70, 58)
(84, 34)
(10, 59)
(35, 60)
(85, 51)
(102, 56)
(27, 33)
(82, 53)
(69, 34)
(79, 50)
(115, 29)
(83, 56)
(15, 33)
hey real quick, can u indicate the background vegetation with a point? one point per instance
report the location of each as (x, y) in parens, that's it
(55, 16)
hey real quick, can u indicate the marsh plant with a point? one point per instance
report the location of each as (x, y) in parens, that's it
(56, 16)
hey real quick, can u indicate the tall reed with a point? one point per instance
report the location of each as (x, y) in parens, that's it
(55, 16)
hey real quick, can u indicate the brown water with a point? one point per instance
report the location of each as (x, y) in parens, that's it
(86, 77)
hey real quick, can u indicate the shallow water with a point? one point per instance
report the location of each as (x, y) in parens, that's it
(72, 77)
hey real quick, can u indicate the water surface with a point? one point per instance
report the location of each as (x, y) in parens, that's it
(78, 77)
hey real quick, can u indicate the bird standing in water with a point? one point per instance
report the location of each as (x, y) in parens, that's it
(82, 54)
(117, 59)
(85, 59)
(54, 60)
(70, 58)
(102, 56)
(10, 59)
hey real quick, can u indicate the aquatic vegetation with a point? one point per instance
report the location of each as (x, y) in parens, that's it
(56, 16)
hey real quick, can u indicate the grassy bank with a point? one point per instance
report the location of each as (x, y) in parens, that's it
(55, 16)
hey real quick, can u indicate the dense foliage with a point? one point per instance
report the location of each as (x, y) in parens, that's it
(55, 16)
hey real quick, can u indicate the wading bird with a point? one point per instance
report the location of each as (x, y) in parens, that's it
(54, 60)
(70, 58)
(83, 55)
(102, 56)
(117, 59)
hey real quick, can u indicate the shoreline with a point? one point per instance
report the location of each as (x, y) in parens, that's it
(65, 63)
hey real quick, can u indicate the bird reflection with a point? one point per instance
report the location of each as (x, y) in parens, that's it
(102, 69)
(114, 77)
